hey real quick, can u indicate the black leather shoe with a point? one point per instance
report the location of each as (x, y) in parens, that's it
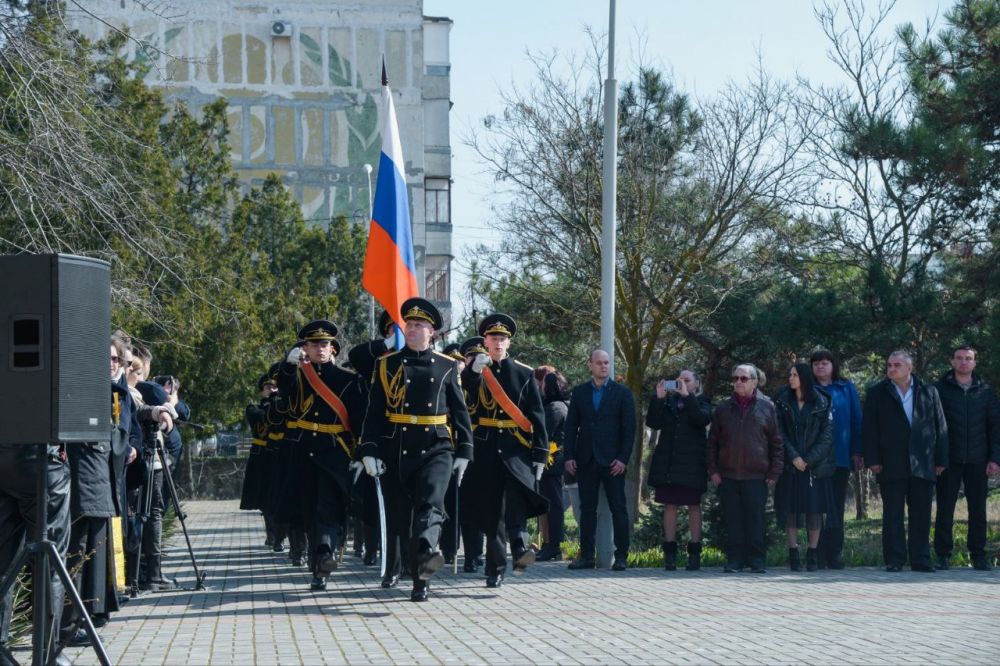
(430, 562)
(298, 561)
(278, 548)
(494, 581)
(390, 580)
(758, 569)
(942, 564)
(923, 568)
(733, 567)
(420, 588)
(549, 553)
(449, 558)
(619, 565)
(326, 562)
(370, 559)
(470, 566)
(100, 620)
(318, 584)
(79, 639)
(576, 565)
(523, 560)
(893, 568)
(981, 564)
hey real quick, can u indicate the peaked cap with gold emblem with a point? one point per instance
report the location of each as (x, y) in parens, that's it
(422, 310)
(474, 345)
(498, 324)
(320, 329)
(454, 350)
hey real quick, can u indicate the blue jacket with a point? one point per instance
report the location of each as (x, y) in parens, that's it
(605, 435)
(846, 420)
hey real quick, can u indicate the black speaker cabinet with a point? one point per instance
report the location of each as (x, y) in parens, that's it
(55, 321)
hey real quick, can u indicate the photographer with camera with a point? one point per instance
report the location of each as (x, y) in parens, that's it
(173, 443)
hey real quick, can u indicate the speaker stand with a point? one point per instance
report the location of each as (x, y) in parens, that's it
(43, 554)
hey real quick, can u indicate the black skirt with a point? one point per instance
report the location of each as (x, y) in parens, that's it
(798, 493)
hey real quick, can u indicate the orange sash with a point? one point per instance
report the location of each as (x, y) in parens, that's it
(324, 391)
(505, 402)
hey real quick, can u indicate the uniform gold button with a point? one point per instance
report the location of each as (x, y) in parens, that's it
(427, 429)
(428, 404)
(406, 404)
(315, 413)
(422, 451)
(413, 419)
(432, 380)
(408, 381)
(404, 430)
(404, 452)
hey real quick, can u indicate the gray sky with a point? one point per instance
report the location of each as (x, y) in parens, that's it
(704, 44)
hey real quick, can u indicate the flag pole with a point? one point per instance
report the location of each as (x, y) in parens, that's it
(371, 297)
(609, 197)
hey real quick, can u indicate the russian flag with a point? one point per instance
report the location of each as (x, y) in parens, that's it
(390, 272)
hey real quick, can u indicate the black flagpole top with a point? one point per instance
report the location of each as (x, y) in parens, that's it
(385, 78)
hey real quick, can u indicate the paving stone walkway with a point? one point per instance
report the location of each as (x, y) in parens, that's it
(259, 610)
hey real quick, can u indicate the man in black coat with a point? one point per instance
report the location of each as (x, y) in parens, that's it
(972, 412)
(323, 405)
(600, 431)
(415, 397)
(905, 441)
(511, 446)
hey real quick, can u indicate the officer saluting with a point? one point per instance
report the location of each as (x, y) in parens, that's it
(415, 395)
(323, 404)
(511, 448)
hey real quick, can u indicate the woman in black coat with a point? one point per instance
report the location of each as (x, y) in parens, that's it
(555, 394)
(805, 487)
(678, 470)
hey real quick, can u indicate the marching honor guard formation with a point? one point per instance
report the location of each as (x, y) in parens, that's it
(412, 444)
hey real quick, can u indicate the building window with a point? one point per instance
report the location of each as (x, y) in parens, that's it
(437, 269)
(437, 200)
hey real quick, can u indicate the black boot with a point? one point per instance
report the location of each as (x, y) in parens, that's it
(812, 560)
(694, 556)
(794, 563)
(670, 555)
(420, 588)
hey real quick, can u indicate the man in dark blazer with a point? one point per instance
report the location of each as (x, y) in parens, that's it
(906, 444)
(600, 430)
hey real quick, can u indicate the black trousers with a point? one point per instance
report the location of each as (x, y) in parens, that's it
(425, 487)
(743, 503)
(397, 519)
(152, 531)
(590, 477)
(328, 518)
(831, 539)
(471, 536)
(18, 501)
(506, 522)
(551, 486)
(87, 561)
(910, 497)
(976, 484)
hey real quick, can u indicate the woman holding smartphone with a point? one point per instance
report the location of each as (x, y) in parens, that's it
(678, 470)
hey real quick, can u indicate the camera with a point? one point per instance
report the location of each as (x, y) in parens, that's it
(669, 384)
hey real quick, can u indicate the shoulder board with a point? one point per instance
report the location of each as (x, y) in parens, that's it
(350, 371)
(524, 365)
(437, 353)
(384, 357)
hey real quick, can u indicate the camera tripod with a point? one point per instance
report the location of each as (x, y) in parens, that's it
(146, 505)
(43, 554)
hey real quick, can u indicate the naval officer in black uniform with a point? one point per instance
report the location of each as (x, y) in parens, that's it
(511, 449)
(323, 405)
(415, 396)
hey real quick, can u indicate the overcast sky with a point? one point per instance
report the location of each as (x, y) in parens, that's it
(704, 44)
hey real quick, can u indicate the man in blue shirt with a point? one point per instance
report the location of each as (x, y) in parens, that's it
(600, 430)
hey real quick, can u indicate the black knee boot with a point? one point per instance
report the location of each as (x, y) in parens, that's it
(793, 559)
(670, 555)
(694, 556)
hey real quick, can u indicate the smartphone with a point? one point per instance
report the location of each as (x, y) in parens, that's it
(669, 384)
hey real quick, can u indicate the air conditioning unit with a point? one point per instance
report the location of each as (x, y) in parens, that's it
(281, 29)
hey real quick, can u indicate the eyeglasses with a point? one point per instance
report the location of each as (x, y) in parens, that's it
(739, 379)
(115, 359)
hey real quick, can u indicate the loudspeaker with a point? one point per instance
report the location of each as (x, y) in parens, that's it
(55, 321)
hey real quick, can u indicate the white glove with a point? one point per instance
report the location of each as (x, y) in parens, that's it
(356, 468)
(539, 468)
(459, 469)
(373, 465)
(480, 362)
(295, 356)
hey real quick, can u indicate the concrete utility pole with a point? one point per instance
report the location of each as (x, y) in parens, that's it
(610, 195)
